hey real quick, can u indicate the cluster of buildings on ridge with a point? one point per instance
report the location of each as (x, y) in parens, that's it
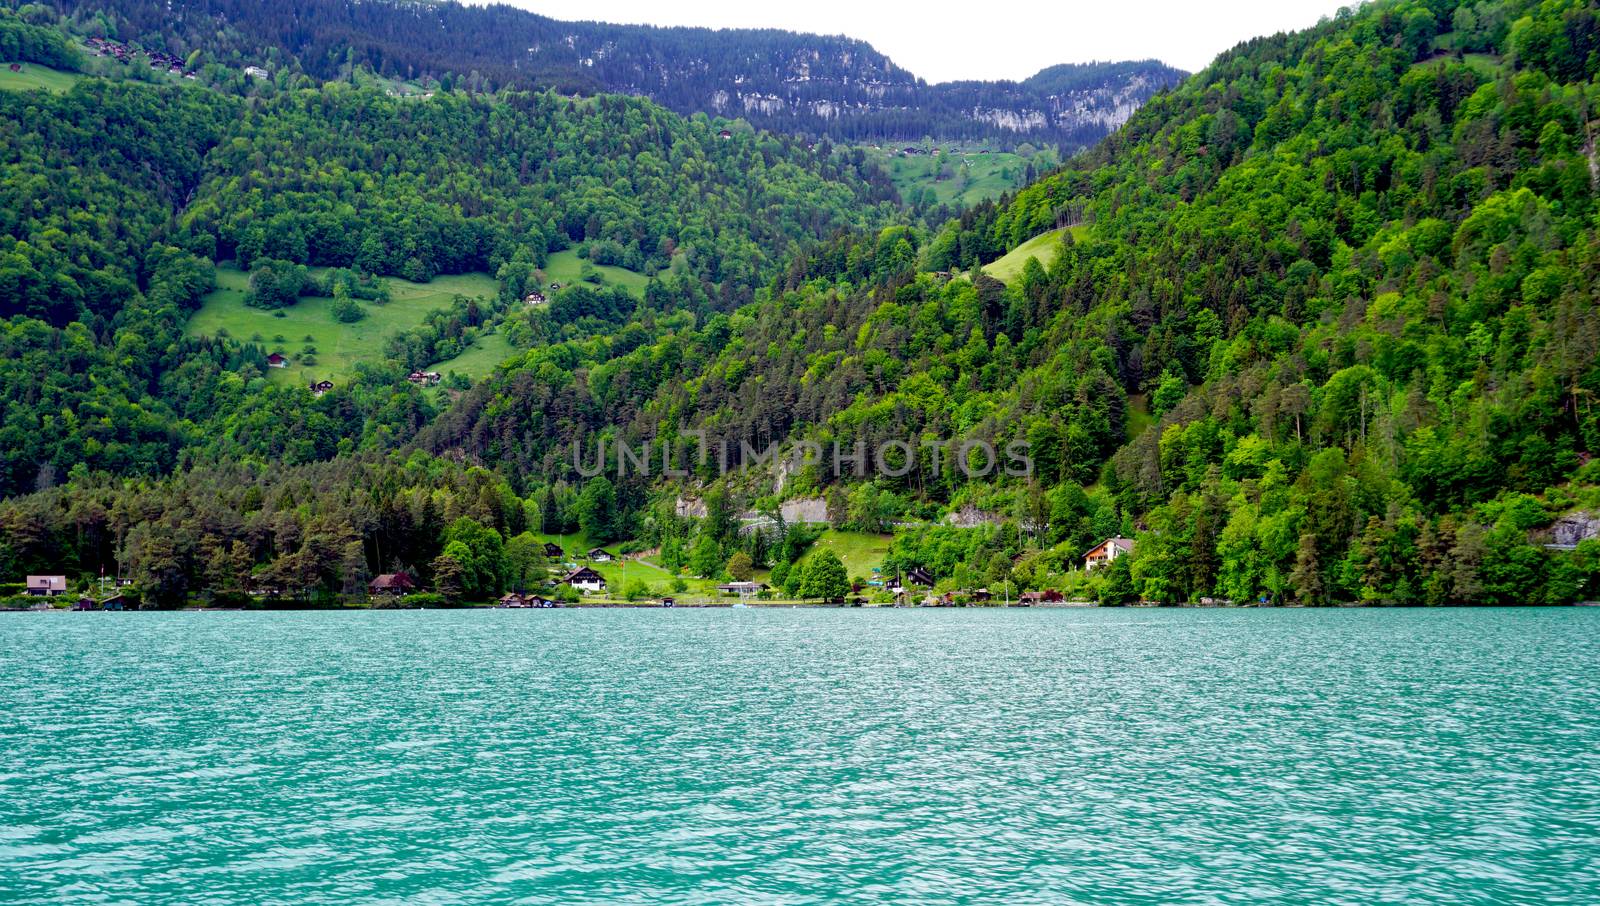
(159, 60)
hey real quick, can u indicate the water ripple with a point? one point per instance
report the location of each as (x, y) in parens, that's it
(798, 757)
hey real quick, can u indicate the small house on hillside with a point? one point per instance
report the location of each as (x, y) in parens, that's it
(585, 580)
(601, 556)
(424, 378)
(392, 585)
(917, 575)
(534, 298)
(318, 388)
(726, 133)
(1106, 551)
(553, 550)
(47, 586)
(277, 361)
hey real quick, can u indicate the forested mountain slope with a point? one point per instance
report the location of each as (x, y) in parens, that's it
(1349, 272)
(118, 197)
(784, 81)
(1322, 329)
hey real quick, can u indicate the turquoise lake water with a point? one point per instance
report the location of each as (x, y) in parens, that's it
(801, 756)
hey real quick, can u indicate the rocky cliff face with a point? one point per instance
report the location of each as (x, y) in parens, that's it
(809, 84)
(863, 95)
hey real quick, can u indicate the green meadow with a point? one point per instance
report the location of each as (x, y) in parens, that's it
(338, 347)
(35, 76)
(480, 359)
(988, 175)
(1043, 246)
(861, 552)
(566, 268)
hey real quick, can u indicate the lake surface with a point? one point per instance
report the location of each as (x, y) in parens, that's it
(801, 756)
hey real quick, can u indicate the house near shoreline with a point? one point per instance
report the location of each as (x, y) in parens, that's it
(516, 600)
(391, 585)
(1048, 596)
(585, 580)
(46, 586)
(915, 576)
(742, 589)
(1106, 551)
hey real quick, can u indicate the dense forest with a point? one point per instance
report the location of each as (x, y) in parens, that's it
(1320, 327)
(786, 82)
(119, 196)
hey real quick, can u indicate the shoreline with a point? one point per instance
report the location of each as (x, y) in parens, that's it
(800, 605)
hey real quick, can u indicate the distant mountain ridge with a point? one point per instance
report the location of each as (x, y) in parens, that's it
(811, 84)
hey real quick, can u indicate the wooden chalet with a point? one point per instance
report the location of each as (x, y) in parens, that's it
(277, 361)
(46, 586)
(554, 551)
(391, 585)
(585, 579)
(1106, 551)
(599, 555)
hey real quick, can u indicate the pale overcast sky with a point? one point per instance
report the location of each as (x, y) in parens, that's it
(986, 39)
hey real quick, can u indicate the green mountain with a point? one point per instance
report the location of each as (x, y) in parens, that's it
(1317, 326)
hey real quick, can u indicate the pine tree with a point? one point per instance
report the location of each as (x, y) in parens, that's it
(1306, 577)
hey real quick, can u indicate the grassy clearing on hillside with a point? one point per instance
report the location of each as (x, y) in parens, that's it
(989, 175)
(566, 268)
(1043, 246)
(1138, 416)
(618, 573)
(480, 360)
(35, 76)
(338, 346)
(860, 551)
